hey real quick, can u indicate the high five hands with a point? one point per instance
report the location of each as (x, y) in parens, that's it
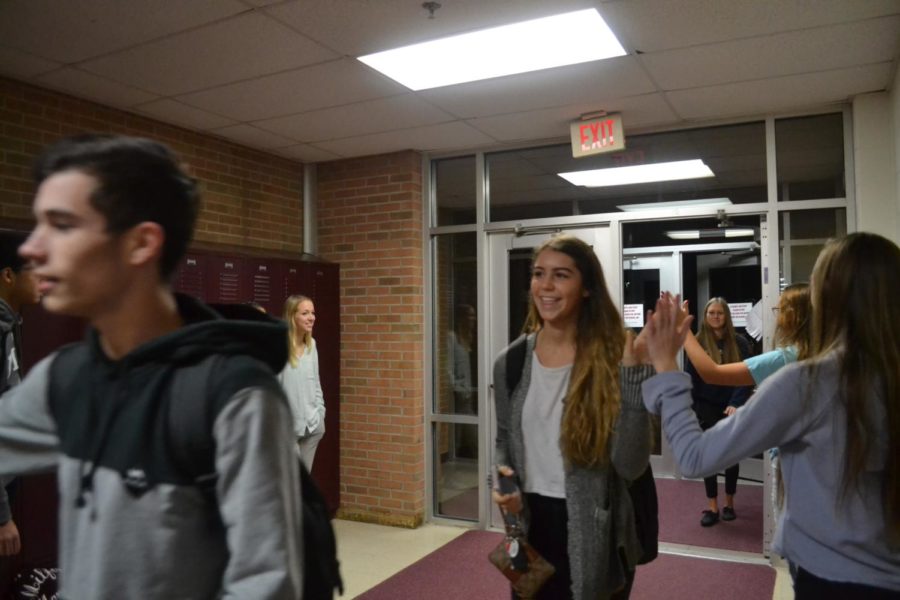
(665, 332)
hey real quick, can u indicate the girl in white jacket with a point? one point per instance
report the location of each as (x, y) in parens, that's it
(300, 377)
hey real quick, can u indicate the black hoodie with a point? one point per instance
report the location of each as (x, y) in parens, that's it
(132, 524)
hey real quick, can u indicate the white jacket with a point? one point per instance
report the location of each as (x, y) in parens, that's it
(304, 392)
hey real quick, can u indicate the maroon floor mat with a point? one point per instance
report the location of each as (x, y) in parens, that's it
(460, 571)
(679, 577)
(682, 502)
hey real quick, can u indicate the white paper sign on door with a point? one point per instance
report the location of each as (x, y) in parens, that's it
(739, 312)
(634, 315)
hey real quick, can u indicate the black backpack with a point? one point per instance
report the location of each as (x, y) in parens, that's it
(194, 450)
(642, 490)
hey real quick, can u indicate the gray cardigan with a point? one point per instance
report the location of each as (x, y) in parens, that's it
(601, 517)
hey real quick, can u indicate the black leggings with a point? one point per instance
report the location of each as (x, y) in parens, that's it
(809, 587)
(548, 533)
(708, 417)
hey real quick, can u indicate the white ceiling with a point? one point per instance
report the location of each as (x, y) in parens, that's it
(281, 75)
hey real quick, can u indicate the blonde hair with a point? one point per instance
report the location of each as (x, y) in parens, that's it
(855, 287)
(794, 318)
(593, 398)
(297, 340)
(707, 336)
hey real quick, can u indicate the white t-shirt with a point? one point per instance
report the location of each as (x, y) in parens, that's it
(541, 421)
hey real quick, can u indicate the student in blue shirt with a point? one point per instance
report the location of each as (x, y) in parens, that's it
(792, 341)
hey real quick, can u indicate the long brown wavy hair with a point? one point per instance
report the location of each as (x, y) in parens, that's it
(296, 338)
(792, 328)
(855, 290)
(707, 337)
(593, 398)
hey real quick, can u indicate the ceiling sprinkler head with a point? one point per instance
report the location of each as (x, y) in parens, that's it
(431, 7)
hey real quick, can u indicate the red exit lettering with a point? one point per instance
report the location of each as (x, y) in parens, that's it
(596, 135)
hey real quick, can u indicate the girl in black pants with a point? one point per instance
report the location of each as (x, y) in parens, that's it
(712, 403)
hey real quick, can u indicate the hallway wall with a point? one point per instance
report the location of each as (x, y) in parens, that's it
(250, 199)
(370, 221)
(875, 165)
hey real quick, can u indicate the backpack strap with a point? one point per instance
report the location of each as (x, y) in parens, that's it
(515, 362)
(190, 422)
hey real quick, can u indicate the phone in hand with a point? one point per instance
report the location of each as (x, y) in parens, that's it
(508, 484)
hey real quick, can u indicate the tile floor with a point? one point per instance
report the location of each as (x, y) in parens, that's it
(369, 554)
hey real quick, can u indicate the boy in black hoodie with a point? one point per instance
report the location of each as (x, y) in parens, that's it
(114, 216)
(18, 288)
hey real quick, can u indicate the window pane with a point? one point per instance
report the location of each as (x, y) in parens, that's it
(454, 187)
(525, 184)
(802, 233)
(456, 347)
(456, 470)
(810, 157)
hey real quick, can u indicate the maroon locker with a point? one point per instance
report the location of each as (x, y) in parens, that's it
(265, 283)
(190, 276)
(226, 280)
(294, 279)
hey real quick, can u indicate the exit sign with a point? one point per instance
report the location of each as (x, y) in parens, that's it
(596, 136)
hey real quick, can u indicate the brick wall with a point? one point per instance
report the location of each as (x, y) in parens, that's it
(370, 221)
(250, 199)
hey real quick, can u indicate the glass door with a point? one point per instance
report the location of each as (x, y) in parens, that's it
(644, 276)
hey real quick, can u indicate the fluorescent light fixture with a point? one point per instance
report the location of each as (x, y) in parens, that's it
(667, 171)
(696, 234)
(565, 39)
(702, 202)
(739, 233)
(687, 234)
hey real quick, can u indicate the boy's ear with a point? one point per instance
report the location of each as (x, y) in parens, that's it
(145, 243)
(7, 275)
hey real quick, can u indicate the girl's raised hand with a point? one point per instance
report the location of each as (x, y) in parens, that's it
(665, 331)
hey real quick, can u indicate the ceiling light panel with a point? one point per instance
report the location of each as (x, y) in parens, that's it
(565, 39)
(668, 171)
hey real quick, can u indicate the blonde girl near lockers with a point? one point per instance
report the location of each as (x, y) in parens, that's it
(835, 419)
(300, 377)
(574, 432)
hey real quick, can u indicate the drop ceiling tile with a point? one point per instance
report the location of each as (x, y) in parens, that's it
(780, 94)
(651, 25)
(349, 25)
(69, 32)
(373, 116)
(243, 47)
(637, 111)
(171, 111)
(22, 65)
(597, 81)
(330, 84)
(446, 136)
(791, 53)
(253, 137)
(87, 85)
(306, 153)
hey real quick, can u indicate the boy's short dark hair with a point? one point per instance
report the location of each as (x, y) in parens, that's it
(139, 180)
(9, 250)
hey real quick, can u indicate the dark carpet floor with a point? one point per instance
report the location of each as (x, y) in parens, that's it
(682, 502)
(460, 570)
